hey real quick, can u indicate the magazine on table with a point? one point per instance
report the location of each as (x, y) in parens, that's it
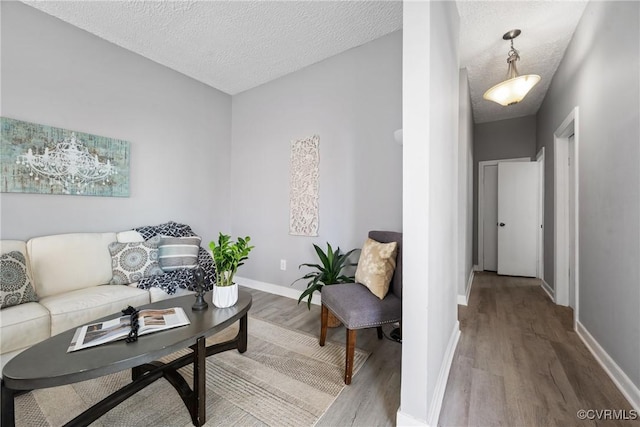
(149, 320)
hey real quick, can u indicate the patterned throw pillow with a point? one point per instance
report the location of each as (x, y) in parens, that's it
(133, 261)
(178, 252)
(376, 266)
(15, 283)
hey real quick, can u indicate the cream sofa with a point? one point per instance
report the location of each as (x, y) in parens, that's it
(70, 273)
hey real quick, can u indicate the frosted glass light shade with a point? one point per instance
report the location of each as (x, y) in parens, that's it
(512, 91)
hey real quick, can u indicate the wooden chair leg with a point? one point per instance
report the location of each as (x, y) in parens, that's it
(324, 316)
(380, 335)
(351, 346)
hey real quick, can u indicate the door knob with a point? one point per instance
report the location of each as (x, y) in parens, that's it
(501, 224)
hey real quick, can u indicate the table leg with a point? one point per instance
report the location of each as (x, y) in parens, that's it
(136, 372)
(144, 375)
(242, 335)
(8, 406)
(199, 413)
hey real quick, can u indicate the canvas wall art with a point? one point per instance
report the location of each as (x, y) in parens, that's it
(44, 159)
(304, 186)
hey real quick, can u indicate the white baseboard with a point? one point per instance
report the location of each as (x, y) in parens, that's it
(464, 299)
(404, 420)
(619, 378)
(271, 288)
(477, 268)
(443, 376)
(548, 290)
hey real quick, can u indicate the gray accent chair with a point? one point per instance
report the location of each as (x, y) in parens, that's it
(357, 308)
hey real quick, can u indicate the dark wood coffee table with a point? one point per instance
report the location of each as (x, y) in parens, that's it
(48, 364)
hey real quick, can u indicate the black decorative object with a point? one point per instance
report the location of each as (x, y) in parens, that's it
(133, 334)
(200, 303)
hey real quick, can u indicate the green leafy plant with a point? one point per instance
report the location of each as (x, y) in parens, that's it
(327, 272)
(228, 256)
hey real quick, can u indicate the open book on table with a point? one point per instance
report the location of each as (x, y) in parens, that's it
(149, 320)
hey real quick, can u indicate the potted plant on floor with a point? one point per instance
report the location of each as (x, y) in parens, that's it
(328, 272)
(227, 257)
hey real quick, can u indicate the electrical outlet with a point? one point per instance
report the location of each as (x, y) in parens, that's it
(283, 264)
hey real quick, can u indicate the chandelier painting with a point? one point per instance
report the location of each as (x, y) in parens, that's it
(55, 161)
(69, 164)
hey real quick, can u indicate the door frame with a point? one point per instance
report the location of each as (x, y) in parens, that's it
(480, 230)
(540, 161)
(570, 126)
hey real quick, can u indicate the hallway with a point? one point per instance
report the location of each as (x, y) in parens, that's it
(519, 362)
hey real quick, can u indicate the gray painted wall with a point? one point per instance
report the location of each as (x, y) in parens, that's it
(465, 185)
(179, 129)
(599, 74)
(353, 102)
(503, 139)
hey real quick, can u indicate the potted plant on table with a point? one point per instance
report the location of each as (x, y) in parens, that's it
(328, 272)
(227, 257)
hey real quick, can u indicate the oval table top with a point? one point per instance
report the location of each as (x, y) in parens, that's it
(47, 364)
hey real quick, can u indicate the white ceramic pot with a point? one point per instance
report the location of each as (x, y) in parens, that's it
(225, 296)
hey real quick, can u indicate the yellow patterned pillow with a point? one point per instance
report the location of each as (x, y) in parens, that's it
(376, 266)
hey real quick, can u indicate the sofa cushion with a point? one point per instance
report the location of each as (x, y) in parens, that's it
(23, 326)
(178, 252)
(67, 262)
(15, 282)
(133, 261)
(376, 265)
(81, 306)
(129, 236)
(157, 294)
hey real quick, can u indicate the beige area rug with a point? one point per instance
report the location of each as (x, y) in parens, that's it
(284, 379)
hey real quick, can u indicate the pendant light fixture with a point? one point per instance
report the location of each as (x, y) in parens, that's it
(515, 87)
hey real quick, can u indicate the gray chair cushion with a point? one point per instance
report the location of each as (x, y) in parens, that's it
(358, 308)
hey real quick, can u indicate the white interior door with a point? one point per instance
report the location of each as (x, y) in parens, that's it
(490, 218)
(517, 218)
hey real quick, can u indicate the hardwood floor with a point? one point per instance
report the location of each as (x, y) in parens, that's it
(373, 397)
(520, 363)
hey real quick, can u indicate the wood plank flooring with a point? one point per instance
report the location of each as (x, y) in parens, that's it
(373, 397)
(520, 363)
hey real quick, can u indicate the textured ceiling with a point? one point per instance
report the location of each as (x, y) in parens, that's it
(237, 45)
(232, 45)
(547, 28)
